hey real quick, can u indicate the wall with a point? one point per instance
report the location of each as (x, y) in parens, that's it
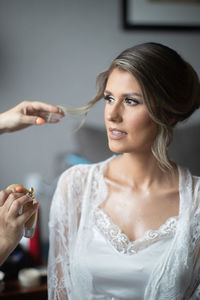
(52, 50)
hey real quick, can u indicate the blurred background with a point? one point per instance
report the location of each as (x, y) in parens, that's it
(52, 51)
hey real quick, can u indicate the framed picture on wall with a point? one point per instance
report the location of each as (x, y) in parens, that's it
(161, 14)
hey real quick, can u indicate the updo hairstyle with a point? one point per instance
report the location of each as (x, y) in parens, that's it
(169, 85)
(170, 89)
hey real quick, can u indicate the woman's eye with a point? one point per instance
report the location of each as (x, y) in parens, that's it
(109, 99)
(131, 101)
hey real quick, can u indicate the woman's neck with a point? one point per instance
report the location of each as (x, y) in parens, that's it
(140, 172)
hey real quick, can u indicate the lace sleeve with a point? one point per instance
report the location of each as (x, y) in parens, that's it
(195, 231)
(63, 225)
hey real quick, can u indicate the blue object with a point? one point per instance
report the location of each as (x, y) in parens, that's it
(73, 159)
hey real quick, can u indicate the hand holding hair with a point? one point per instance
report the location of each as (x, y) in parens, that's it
(28, 113)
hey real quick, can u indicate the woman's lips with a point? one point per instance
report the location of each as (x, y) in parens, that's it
(116, 134)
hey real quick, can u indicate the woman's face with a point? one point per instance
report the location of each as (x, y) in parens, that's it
(129, 126)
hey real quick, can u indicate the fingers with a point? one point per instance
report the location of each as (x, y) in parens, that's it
(40, 121)
(4, 196)
(15, 202)
(19, 188)
(41, 106)
(29, 113)
(50, 117)
(31, 107)
(39, 113)
(11, 221)
(32, 120)
(23, 218)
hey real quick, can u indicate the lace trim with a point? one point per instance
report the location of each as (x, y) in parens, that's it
(121, 242)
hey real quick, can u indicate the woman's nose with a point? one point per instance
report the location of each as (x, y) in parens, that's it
(114, 114)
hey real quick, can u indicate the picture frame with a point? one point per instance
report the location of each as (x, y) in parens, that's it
(161, 14)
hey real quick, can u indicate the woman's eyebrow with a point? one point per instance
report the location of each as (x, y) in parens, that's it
(107, 92)
(124, 95)
(132, 94)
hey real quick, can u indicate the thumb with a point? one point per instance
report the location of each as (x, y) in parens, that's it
(33, 120)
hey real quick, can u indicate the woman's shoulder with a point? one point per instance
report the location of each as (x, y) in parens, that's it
(186, 172)
(79, 173)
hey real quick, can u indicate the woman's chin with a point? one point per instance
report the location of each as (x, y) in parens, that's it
(117, 150)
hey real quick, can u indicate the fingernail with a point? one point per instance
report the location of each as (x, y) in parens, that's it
(61, 111)
(19, 188)
(40, 121)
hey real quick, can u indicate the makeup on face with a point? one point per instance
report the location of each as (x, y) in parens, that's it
(128, 123)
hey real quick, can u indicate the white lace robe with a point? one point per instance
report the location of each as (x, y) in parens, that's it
(74, 219)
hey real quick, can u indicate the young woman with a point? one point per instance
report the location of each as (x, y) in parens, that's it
(129, 227)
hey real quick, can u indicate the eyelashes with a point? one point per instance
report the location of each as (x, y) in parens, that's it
(109, 99)
(128, 100)
(131, 101)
